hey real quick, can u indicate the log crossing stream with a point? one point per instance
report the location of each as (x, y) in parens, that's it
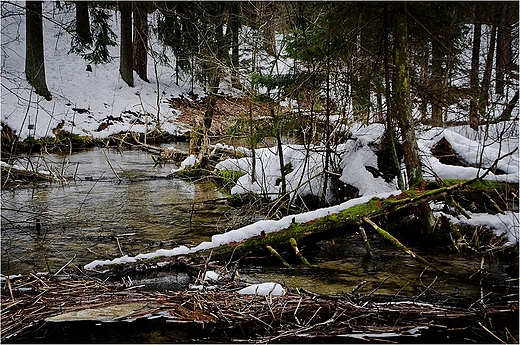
(121, 203)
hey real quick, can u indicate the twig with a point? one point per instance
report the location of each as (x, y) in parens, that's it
(110, 164)
(62, 267)
(10, 288)
(119, 246)
(493, 203)
(365, 241)
(487, 330)
(358, 286)
(277, 255)
(298, 253)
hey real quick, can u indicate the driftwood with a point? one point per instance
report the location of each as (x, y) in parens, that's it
(341, 223)
(13, 174)
(63, 309)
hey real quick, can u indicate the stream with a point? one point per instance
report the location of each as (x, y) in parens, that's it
(118, 203)
(121, 203)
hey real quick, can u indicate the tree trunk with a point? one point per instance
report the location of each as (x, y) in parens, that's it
(475, 66)
(235, 27)
(403, 101)
(486, 79)
(506, 113)
(503, 48)
(269, 41)
(437, 88)
(389, 105)
(214, 78)
(126, 61)
(34, 54)
(405, 117)
(140, 44)
(83, 22)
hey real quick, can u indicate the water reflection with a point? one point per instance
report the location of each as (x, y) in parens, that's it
(99, 217)
(82, 218)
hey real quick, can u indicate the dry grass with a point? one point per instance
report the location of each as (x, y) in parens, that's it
(227, 110)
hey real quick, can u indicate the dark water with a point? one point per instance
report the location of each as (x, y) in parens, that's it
(121, 203)
(86, 218)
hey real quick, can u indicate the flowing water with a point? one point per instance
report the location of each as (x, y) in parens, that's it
(121, 203)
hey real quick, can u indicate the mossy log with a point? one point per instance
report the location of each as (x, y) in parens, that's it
(332, 225)
(343, 222)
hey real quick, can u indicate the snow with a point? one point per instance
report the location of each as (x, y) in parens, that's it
(85, 100)
(501, 224)
(263, 289)
(211, 275)
(187, 162)
(101, 93)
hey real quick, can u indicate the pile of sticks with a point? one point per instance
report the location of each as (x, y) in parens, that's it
(27, 302)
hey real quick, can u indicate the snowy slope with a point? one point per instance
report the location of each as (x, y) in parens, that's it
(99, 96)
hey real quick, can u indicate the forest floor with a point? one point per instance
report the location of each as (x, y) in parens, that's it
(228, 110)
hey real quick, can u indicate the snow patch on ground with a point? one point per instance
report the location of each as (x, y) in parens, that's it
(263, 289)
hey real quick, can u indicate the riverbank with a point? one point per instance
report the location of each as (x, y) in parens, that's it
(53, 308)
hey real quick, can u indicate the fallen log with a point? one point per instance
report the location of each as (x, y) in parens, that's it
(343, 222)
(329, 226)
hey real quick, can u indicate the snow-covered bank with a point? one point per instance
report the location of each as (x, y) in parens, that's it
(95, 101)
(354, 157)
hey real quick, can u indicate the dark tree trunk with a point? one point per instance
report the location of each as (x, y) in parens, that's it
(475, 65)
(506, 113)
(235, 27)
(503, 48)
(83, 22)
(126, 61)
(437, 88)
(140, 48)
(34, 55)
(404, 114)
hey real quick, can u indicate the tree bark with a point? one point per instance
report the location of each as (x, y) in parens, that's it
(403, 101)
(140, 44)
(405, 117)
(126, 61)
(437, 87)
(83, 22)
(34, 54)
(475, 65)
(389, 105)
